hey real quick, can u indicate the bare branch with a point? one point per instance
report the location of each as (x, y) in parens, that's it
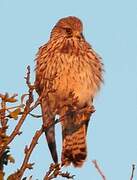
(132, 173)
(28, 108)
(28, 150)
(98, 169)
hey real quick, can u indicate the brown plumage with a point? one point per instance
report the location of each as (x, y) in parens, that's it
(78, 69)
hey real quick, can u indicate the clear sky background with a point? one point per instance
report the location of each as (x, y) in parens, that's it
(111, 28)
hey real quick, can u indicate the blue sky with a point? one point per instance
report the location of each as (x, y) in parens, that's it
(111, 28)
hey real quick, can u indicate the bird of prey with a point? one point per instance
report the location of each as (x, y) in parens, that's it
(68, 64)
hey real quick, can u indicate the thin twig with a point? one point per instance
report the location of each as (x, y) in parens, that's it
(132, 173)
(35, 115)
(55, 170)
(98, 169)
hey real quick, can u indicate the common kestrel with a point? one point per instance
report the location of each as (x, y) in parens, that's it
(68, 64)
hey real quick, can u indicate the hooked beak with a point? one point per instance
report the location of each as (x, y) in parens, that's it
(77, 34)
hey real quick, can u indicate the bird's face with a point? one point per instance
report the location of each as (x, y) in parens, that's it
(69, 27)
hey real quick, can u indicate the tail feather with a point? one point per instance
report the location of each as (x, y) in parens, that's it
(50, 133)
(74, 148)
(74, 131)
(50, 136)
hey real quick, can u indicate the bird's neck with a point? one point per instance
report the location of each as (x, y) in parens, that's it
(68, 45)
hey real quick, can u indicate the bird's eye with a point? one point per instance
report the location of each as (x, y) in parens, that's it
(69, 31)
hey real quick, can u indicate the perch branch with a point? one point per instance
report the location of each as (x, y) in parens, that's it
(28, 151)
(55, 170)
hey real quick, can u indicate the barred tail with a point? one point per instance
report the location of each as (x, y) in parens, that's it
(74, 144)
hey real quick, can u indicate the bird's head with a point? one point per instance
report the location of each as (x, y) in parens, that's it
(68, 27)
